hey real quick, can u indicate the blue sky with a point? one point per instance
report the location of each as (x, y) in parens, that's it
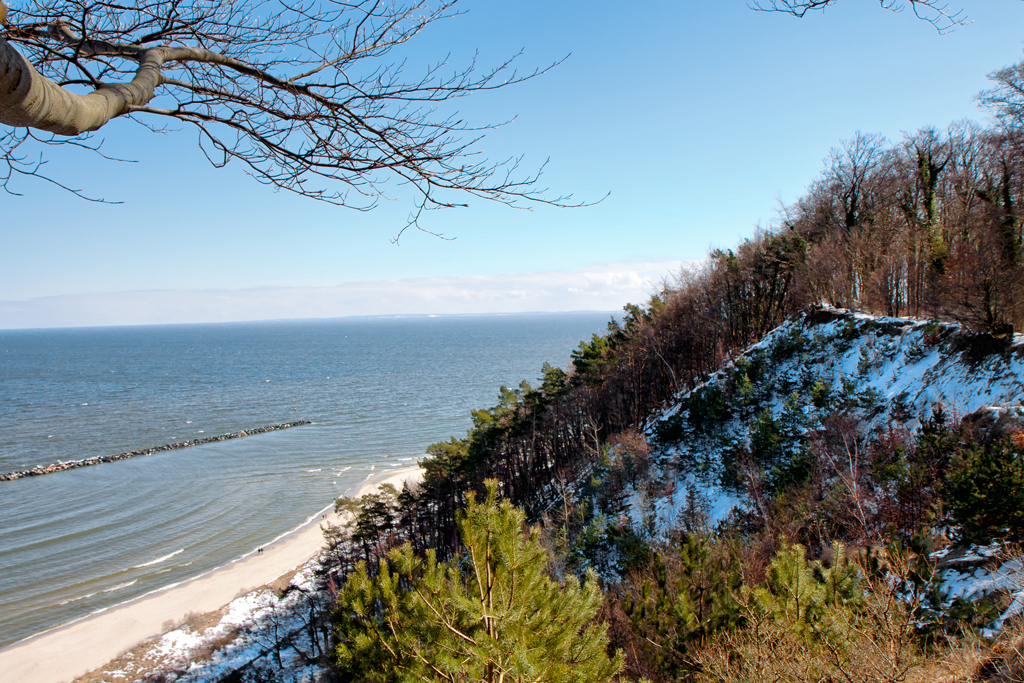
(697, 118)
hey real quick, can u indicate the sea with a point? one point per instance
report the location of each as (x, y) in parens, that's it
(378, 392)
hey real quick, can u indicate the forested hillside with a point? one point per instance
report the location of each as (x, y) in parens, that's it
(800, 461)
(927, 227)
(841, 488)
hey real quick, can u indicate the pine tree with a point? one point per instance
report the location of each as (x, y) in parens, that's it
(496, 615)
(686, 598)
(801, 593)
(985, 490)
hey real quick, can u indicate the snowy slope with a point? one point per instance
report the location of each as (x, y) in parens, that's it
(262, 635)
(881, 369)
(913, 365)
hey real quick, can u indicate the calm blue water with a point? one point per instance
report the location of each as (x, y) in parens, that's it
(378, 391)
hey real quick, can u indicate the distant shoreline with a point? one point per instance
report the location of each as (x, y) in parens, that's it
(100, 459)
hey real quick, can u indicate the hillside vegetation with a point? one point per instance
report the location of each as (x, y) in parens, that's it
(800, 461)
(769, 485)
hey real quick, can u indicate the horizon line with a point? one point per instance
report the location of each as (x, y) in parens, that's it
(380, 316)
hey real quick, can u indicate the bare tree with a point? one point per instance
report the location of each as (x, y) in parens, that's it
(311, 96)
(849, 168)
(1006, 99)
(935, 12)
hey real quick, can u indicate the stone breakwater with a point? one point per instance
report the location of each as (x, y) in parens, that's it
(97, 460)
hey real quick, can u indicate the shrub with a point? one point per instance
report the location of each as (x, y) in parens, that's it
(788, 345)
(984, 491)
(815, 623)
(707, 409)
(681, 598)
(821, 393)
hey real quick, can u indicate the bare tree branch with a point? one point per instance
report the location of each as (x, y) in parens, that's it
(1006, 99)
(311, 96)
(935, 12)
(16, 163)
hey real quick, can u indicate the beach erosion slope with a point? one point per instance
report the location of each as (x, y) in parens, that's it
(66, 652)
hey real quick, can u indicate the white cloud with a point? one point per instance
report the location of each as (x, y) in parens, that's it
(604, 287)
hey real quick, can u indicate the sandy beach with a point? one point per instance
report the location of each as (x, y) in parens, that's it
(66, 652)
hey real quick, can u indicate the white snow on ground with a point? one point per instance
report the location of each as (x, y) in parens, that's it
(259, 619)
(987, 571)
(890, 365)
(670, 508)
(263, 618)
(887, 369)
(177, 644)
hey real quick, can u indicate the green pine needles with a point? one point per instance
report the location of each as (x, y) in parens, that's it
(805, 594)
(493, 616)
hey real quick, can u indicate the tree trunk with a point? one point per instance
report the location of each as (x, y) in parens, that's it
(28, 99)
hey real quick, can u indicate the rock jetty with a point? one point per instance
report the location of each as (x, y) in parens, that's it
(99, 459)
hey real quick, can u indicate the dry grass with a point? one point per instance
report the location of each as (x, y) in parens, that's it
(880, 648)
(1000, 662)
(278, 585)
(281, 583)
(147, 663)
(875, 646)
(194, 621)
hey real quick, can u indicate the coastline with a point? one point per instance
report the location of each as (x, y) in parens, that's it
(65, 652)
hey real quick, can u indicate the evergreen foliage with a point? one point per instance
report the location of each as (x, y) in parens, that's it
(372, 518)
(985, 490)
(801, 593)
(682, 598)
(494, 616)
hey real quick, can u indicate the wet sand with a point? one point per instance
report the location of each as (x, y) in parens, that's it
(66, 652)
